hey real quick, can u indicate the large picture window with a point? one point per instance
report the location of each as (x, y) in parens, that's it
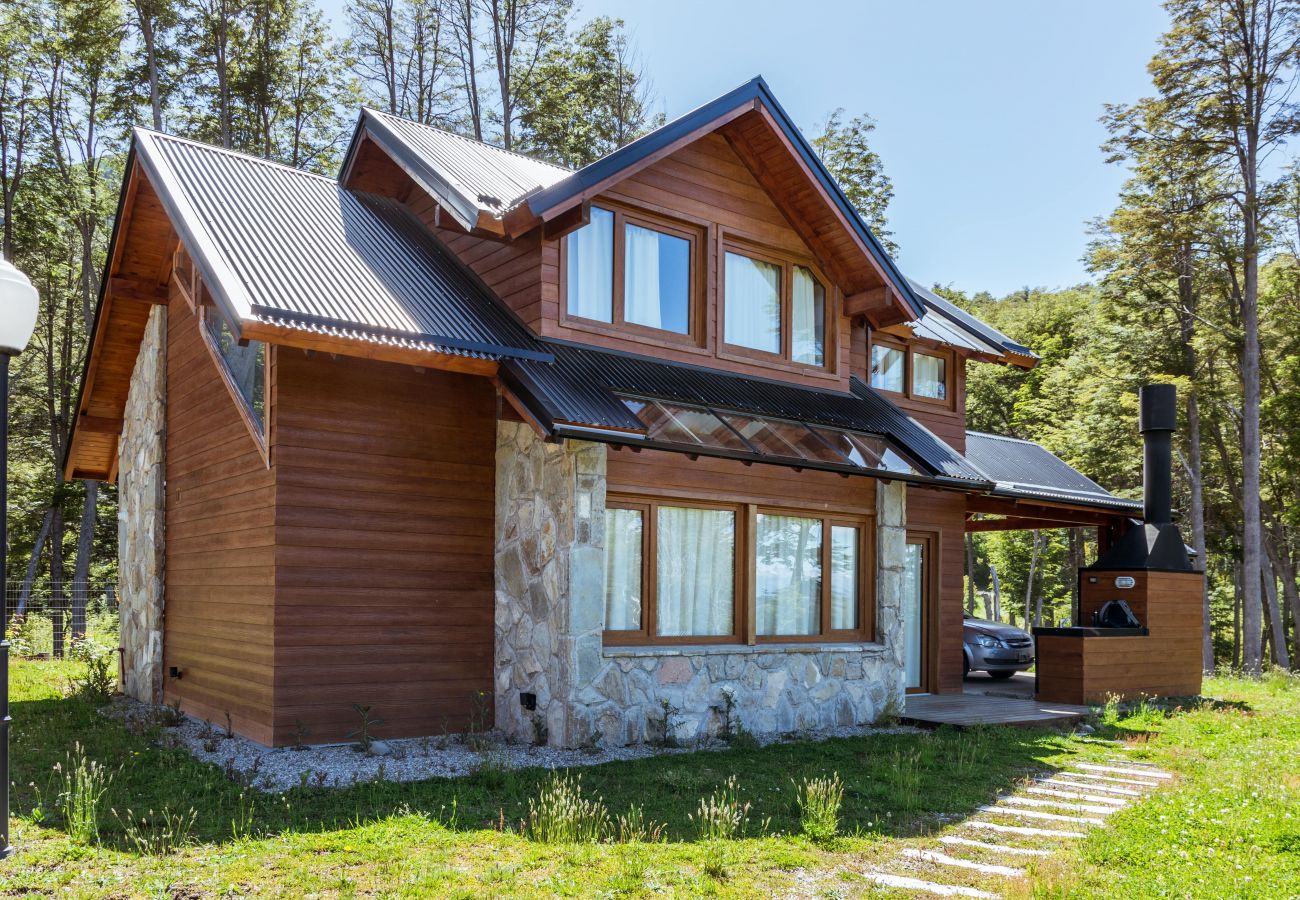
(672, 575)
(629, 269)
(773, 306)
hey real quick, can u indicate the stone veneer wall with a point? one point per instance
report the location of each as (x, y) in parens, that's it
(141, 493)
(550, 615)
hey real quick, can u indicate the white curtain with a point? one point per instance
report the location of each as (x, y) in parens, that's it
(623, 530)
(913, 606)
(809, 318)
(590, 268)
(696, 571)
(887, 368)
(928, 376)
(641, 276)
(844, 577)
(753, 303)
(788, 586)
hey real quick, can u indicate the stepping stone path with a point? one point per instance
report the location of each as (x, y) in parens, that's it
(1045, 815)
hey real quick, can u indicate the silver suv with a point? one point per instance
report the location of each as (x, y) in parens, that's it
(1001, 650)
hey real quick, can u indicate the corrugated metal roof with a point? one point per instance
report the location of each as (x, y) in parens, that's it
(578, 389)
(286, 247)
(949, 324)
(480, 176)
(1025, 469)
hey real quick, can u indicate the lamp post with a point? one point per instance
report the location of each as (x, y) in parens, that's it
(18, 303)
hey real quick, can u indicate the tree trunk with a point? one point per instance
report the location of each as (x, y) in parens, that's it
(1236, 616)
(81, 572)
(57, 603)
(970, 573)
(997, 593)
(1276, 623)
(34, 562)
(1033, 569)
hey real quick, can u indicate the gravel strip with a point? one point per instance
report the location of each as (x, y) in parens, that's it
(273, 769)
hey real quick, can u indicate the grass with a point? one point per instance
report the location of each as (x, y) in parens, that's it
(1235, 806)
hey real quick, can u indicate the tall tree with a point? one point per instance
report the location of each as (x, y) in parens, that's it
(844, 148)
(519, 34)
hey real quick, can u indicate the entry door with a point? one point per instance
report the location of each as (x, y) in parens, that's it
(916, 606)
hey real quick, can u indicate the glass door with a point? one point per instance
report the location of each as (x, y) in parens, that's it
(916, 590)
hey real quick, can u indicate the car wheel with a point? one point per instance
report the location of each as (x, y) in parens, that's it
(1001, 674)
(965, 667)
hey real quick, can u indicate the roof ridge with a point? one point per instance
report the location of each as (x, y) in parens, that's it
(467, 139)
(237, 154)
(1003, 437)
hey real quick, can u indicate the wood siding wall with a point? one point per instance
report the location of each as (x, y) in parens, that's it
(384, 546)
(943, 514)
(220, 558)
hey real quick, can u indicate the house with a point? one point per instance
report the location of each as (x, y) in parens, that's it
(467, 437)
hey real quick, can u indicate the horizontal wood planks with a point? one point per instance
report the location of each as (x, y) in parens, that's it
(1167, 662)
(220, 544)
(384, 546)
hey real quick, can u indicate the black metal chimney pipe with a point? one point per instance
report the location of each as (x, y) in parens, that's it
(1157, 421)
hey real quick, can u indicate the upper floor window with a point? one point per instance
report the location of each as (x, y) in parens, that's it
(774, 306)
(623, 268)
(913, 373)
(244, 365)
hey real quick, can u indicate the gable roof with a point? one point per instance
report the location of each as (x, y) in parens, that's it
(470, 177)
(1029, 471)
(947, 323)
(343, 263)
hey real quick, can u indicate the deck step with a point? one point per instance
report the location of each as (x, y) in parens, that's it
(1020, 829)
(944, 859)
(1126, 770)
(1106, 778)
(1060, 804)
(1052, 788)
(929, 887)
(992, 848)
(1041, 816)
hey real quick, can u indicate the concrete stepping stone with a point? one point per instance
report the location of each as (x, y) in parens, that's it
(944, 859)
(1060, 804)
(1074, 795)
(1022, 830)
(955, 841)
(1043, 816)
(1070, 790)
(929, 887)
(1106, 778)
(1126, 770)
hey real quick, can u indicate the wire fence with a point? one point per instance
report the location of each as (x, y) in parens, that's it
(44, 622)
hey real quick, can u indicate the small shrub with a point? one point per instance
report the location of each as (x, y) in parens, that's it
(634, 828)
(663, 728)
(562, 815)
(819, 802)
(727, 711)
(300, 734)
(170, 716)
(82, 783)
(364, 738)
(892, 714)
(158, 834)
(721, 815)
(97, 685)
(30, 635)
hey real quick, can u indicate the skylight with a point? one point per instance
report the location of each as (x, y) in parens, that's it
(723, 433)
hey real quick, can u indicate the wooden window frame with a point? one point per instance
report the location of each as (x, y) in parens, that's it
(910, 352)
(744, 593)
(695, 236)
(731, 243)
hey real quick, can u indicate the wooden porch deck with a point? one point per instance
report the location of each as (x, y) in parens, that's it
(962, 710)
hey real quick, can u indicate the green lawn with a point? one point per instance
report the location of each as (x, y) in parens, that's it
(1230, 827)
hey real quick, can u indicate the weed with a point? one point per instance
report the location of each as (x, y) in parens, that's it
(727, 710)
(207, 732)
(82, 783)
(819, 802)
(300, 734)
(230, 726)
(364, 738)
(892, 714)
(97, 685)
(170, 716)
(905, 777)
(634, 828)
(241, 824)
(663, 728)
(562, 815)
(494, 771)
(721, 815)
(158, 834)
(539, 730)
(210, 745)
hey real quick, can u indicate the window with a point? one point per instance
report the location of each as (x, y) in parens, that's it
(929, 377)
(887, 368)
(774, 306)
(624, 268)
(809, 574)
(245, 366)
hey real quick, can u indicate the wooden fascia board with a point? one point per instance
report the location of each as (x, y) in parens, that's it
(1040, 509)
(1015, 523)
(548, 213)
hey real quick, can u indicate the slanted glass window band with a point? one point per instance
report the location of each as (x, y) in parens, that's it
(245, 366)
(628, 269)
(713, 432)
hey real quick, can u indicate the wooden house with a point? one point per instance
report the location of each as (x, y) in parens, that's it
(465, 436)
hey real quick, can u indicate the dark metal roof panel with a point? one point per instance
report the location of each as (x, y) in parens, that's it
(577, 389)
(974, 330)
(279, 245)
(1025, 469)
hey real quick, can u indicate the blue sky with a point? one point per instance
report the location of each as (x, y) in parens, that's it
(987, 112)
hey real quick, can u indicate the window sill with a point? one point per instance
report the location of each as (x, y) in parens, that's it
(868, 648)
